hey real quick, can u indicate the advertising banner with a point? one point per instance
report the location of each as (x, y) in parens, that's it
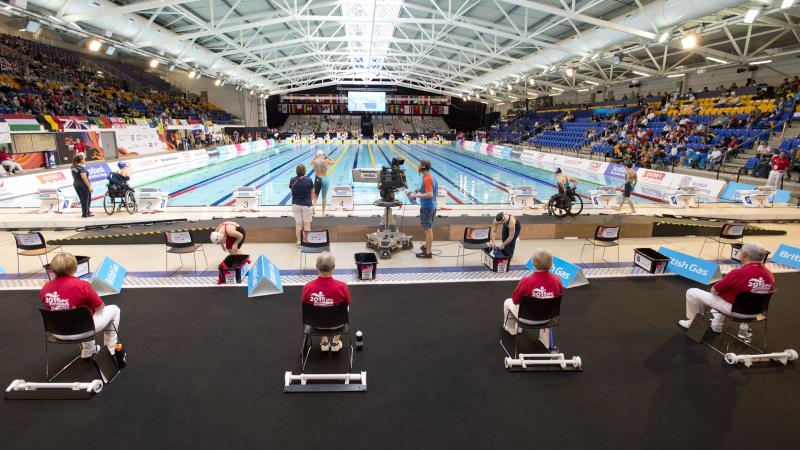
(139, 141)
(787, 255)
(264, 278)
(691, 267)
(570, 274)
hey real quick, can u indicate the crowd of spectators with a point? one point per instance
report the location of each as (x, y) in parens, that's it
(38, 79)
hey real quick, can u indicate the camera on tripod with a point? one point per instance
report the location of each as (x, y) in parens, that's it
(391, 180)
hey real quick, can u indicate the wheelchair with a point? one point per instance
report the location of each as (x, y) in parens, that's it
(117, 198)
(565, 204)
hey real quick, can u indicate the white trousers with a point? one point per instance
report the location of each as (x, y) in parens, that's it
(698, 299)
(511, 328)
(775, 178)
(11, 166)
(102, 321)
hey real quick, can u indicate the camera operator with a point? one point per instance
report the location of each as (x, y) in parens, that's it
(427, 211)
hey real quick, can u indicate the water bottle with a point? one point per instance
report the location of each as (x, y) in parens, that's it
(359, 340)
(744, 330)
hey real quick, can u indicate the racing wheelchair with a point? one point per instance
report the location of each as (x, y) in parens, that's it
(118, 197)
(563, 204)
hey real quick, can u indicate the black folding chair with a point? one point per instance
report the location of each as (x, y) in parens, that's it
(544, 311)
(748, 308)
(474, 239)
(324, 322)
(604, 237)
(33, 244)
(181, 243)
(76, 322)
(731, 233)
(313, 242)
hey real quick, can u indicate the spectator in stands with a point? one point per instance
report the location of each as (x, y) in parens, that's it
(762, 167)
(66, 292)
(301, 188)
(763, 149)
(780, 164)
(325, 292)
(81, 183)
(752, 277)
(427, 211)
(541, 284)
(7, 161)
(714, 159)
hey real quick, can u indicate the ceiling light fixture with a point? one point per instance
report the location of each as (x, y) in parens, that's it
(751, 15)
(689, 41)
(583, 90)
(94, 45)
(531, 81)
(763, 61)
(786, 4)
(492, 92)
(192, 73)
(153, 63)
(217, 82)
(676, 75)
(716, 60)
(664, 37)
(570, 71)
(593, 83)
(640, 73)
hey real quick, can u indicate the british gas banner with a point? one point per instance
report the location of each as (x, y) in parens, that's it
(691, 267)
(570, 274)
(787, 255)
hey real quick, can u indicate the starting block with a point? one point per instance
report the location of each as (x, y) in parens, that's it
(23, 390)
(54, 200)
(684, 197)
(247, 198)
(441, 197)
(605, 197)
(542, 361)
(151, 200)
(783, 357)
(348, 382)
(522, 197)
(760, 197)
(342, 198)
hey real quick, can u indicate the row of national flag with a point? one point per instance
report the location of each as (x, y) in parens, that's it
(25, 122)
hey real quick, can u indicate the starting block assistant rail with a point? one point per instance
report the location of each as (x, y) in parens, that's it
(543, 361)
(783, 357)
(350, 382)
(23, 390)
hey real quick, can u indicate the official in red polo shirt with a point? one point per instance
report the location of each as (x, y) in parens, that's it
(324, 292)
(540, 284)
(780, 164)
(752, 276)
(68, 292)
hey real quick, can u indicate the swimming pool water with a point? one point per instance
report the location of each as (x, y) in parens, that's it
(469, 178)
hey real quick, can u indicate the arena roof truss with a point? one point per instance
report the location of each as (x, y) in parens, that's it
(494, 50)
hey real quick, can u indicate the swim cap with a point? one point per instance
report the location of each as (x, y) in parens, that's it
(558, 170)
(215, 237)
(122, 164)
(320, 153)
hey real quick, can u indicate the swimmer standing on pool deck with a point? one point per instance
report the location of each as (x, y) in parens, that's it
(320, 165)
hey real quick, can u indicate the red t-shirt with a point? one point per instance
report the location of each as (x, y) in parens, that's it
(753, 277)
(79, 148)
(779, 163)
(326, 291)
(68, 293)
(537, 285)
(4, 157)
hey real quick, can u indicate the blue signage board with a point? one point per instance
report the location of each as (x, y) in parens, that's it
(264, 278)
(787, 255)
(570, 274)
(108, 278)
(691, 267)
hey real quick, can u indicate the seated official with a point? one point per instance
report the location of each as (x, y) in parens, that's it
(541, 285)
(752, 276)
(68, 292)
(511, 229)
(325, 291)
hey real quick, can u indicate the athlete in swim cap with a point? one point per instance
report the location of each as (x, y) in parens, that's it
(320, 165)
(230, 236)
